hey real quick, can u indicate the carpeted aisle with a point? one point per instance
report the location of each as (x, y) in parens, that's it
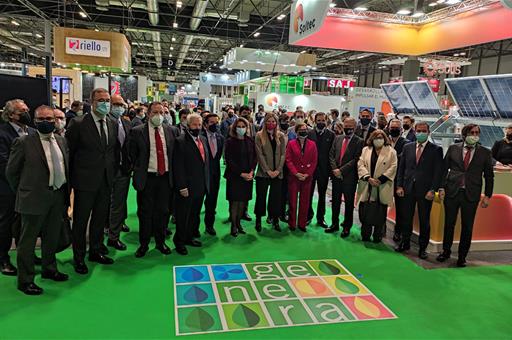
(134, 297)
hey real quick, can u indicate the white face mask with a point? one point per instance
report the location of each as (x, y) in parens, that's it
(157, 120)
(472, 140)
(60, 124)
(378, 142)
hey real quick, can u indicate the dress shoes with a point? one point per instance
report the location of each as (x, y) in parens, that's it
(8, 269)
(116, 244)
(81, 268)
(181, 250)
(103, 249)
(258, 224)
(275, 225)
(100, 258)
(163, 248)
(246, 217)
(211, 231)
(423, 254)
(269, 220)
(241, 231)
(461, 263)
(345, 233)
(304, 230)
(331, 230)
(55, 276)
(125, 228)
(402, 248)
(141, 251)
(397, 237)
(308, 222)
(194, 243)
(37, 260)
(30, 289)
(443, 257)
(321, 223)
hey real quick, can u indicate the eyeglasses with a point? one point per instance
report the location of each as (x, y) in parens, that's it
(103, 100)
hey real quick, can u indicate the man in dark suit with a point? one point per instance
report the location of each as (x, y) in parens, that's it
(93, 151)
(364, 129)
(121, 184)
(215, 148)
(182, 125)
(398, 142)
(38, 171)
(323, 138)
(16, 117)
(151, 151)
(409, 132)
(192, 181)
(343, 158)
(464, 166)
(418, 179)
(140, 117)
(75, 111)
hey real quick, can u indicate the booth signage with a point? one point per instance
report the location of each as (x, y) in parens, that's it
(89, 47)
(341, 83)
(307, 16)
(433, 67)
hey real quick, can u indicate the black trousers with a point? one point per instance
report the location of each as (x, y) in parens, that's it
(321, 184)
(94, 205)
(273, 204)
(348, 190)
(47, 225)
(452, 205)
(210, 203)
(284, 193)
(7, 217)
(153, 209)
(118, 204)
(399, 214)
(187, 213)
(376, 230)
(424, 208)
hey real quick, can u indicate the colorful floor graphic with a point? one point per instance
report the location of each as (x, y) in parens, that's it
(243, 296)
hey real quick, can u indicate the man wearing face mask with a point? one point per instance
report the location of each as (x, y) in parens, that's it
(215, 149)
(259, 116)
(60, 122)
(343, 157)
(182, 126)
(245, 112)
(140, 117)
(226, 124)
(192, 183)
(16, 118)
(121, 185)
(38, 171)
(418, 178)
(323, 138)
(408, 125)
(75, 110)
(93, 151)
(364, 129)
(152, 148)
(465, 164)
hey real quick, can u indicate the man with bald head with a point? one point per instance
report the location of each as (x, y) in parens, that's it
(38, 172)
(60, 122)
(345, 152)
(93, 151)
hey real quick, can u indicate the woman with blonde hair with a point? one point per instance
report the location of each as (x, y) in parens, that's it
(271, 153)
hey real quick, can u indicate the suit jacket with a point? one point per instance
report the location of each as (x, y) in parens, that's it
(88, 159)
(298, 162)
(136, 121)
(214, 162)
(139, 152)
(323, 145)
(454, 172)
(359, 132)
(411, 135)
(386, 166)
(123, 157)
(28, 174)
(424, 176)
(266, 155)
(190, 171)
(7, 136)
(347, 165)
(232, 155)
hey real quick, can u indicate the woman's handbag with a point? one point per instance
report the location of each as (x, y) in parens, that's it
(372, 213)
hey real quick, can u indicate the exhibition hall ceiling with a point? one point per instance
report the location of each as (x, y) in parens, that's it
(179, 39)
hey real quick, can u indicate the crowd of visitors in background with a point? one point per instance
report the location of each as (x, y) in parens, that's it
(86, 156)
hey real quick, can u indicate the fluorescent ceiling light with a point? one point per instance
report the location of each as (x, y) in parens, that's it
(418, 14)
(360, 9)
(257, 34)
(332, 5)
(452, 2)
(281, 17)
(441, 1)
(82, 14)
(173, 39)
(432, 4)
(15, 23)
(175, 25)
(178, 4)
(302, 52)
(241, 45)
(403, 12)
(38, 35)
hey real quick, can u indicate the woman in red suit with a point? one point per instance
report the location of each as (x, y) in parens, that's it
(301, 160)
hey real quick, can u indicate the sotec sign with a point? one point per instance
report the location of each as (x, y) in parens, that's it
(306, 18)
(88, 47)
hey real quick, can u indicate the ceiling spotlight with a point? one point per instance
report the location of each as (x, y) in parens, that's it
(214, 64)
(432, 4)
(175, 25)
(403, 12)
(172, 48)
(2, 64)
(418, 14)
(38, 35)
(293, 65)
(332, 5)
(360, 9)
(281, 17)
(452, 2)
(455, 54)
(257, 34)
(97, 30)
(15, 23)
(82, 14)
(170, 55)
(241, 45)
(441, 1)
(302, 52)
(173, 39)
(179, 4)
(462, 53)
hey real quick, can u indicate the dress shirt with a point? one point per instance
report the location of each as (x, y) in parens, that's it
(153, 161)
(19, 130)
(405, 133)
(423, 146)
(212, 140)
(45, 141)
(98, 124)
(465, 150)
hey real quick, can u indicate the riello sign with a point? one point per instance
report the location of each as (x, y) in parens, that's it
(88, 47)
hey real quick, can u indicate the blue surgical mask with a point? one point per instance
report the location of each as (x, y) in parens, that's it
(240, 131)
(117, 111)
(421, 137)
(102, 108)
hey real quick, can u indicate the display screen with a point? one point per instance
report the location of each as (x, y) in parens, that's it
(56, 83)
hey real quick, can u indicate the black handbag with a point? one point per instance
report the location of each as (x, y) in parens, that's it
(372, 213)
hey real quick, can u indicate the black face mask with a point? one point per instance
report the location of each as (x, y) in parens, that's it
(320, 126)
(45, 127)
(230, 114)
(365, 121)
(213, 128)
(348, 131)
(303, 134)
(407, 126)
(284, 126)
(194, 132)
(509, 136)
(25, 118)
(394, 132)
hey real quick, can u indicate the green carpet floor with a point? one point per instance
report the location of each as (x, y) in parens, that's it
(134, 297)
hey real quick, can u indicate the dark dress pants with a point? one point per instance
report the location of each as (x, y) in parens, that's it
(377, 230)
(47, 225)
(188, 210)
(153, 209)
(210, 202)
(424, 207)
(94, 205)
(7, 217)
(284, 193)
(322, 182)
(118, 204)
(348, 190)
(399, 214)
(273, 203)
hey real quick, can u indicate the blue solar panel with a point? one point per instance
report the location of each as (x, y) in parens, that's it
(398, 98)
(423, 98)
(471, 98)
(501, 93)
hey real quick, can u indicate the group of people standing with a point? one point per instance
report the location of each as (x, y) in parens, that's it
(176, 169)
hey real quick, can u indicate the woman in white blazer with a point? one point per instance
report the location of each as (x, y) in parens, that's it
(376, 170)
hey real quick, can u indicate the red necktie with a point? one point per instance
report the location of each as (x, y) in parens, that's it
(467, 158)
(418, 153)
(201, 148)
(160, 158)
(343, 148)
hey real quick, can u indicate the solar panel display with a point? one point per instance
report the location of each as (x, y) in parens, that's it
(398, 98)
(470, 96)
(423, 98)
(500, 89)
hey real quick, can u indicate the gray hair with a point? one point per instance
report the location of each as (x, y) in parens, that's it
(396, 120)
(350, 119)
(9, 108)
(98, 90)
(194, 116)
(42, 108)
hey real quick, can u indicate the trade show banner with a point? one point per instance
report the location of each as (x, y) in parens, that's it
(306, 18)
(266, 60)
(99, 50)
(366, 98)
(290, 101)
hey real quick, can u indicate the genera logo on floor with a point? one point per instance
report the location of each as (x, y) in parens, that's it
(243, 296)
